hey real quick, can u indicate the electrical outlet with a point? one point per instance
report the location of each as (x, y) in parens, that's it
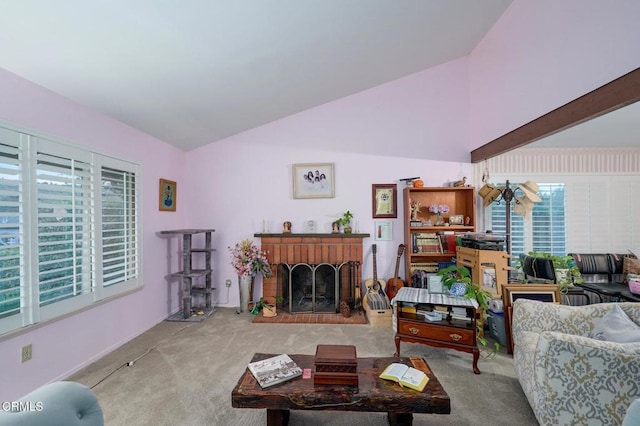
(228, 283)
(27, 352)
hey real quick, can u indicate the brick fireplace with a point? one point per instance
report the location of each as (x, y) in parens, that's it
(311, 250)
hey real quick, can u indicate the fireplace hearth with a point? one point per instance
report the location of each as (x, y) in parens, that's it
(316, 288)
(313, 273)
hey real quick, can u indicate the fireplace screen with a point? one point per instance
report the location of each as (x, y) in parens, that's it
(313, 288)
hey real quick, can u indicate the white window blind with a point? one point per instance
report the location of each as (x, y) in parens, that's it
(119, 225)
(69, 228)
(544, 231)
(12, 296)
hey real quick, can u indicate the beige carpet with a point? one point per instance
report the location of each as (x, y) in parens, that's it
(183, 373)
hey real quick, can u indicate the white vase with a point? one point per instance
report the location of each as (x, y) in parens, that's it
(246, 293)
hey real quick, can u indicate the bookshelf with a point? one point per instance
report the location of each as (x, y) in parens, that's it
(430, 246)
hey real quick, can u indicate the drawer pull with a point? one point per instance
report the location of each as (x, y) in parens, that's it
(414, 330)
(455, 337)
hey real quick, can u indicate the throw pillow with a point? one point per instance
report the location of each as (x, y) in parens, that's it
(616, 326)
(630, 265)
(633, 414)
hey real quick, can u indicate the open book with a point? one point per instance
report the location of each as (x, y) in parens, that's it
(405, 376)
(274, 370)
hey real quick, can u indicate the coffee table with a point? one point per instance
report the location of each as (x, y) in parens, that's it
(372, 394)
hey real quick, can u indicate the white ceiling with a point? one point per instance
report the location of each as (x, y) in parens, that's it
(192, 72)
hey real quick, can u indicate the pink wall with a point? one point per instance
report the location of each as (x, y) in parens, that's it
(62, 347)
(255, 181)
(543, 54)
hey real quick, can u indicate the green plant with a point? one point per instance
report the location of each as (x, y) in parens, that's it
(264, 304)
(345, 220)
(567, 263)
(459, 274)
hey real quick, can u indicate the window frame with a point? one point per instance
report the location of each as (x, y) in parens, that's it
(31, 311)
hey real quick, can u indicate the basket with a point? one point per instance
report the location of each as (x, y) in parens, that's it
(634, 284)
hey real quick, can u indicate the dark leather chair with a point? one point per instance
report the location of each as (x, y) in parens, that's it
(603, 275)
(541, 269)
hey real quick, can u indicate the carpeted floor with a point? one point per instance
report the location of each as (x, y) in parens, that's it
(183, 373)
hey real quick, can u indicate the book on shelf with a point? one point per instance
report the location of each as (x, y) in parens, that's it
(405, 376)
(448, 241)
(426, 242)
(274, 370)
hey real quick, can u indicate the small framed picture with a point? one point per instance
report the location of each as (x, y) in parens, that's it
(168, 194)
(456, 219)
(384, 200)
(384, 230)
(313, 180)
(434, 283)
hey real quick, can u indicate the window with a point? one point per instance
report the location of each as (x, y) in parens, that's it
(69, 228)
(545, 232)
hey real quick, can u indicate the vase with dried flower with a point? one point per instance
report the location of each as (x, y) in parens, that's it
(439, 210)
(248, 261)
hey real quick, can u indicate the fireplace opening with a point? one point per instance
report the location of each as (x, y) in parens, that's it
(315, 288)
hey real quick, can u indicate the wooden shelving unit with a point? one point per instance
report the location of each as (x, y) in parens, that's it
(460, 200)
(192, 278)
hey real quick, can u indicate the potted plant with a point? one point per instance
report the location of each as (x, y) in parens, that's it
(248, 261)
(567, 272)
(457, 279)
(268, 309)
(345, 221)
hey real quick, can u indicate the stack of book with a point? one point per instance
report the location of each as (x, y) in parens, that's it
(426, 242)
(336, 365)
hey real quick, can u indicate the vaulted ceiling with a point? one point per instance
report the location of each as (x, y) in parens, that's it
(193, 72)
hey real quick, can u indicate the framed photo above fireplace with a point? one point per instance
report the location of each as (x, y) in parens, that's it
(313, 180)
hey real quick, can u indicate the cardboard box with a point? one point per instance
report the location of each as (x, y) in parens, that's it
(377, 317)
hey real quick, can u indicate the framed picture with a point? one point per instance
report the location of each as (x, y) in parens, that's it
(384, 230)
(168, 195)
(456, 219)
(384, 200)
(313, 180)
(511, 292)
(541, 292)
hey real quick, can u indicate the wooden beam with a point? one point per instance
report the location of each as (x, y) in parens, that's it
(618, 93)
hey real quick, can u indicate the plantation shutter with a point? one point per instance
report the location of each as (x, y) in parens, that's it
(548, 224)
(119, 227)
(64, 226)
(13, 292)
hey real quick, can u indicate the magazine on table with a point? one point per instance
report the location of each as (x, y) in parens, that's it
(274, 370)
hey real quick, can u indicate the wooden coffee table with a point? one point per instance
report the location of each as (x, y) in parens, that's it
(372, 393)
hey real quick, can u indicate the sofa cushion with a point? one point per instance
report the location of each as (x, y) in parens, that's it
(632, 418)
(616, 326)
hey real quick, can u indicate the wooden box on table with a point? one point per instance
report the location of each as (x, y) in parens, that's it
(336, 365)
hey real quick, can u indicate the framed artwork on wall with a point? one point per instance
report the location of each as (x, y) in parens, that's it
(168, 195)
(384, 230)
(384, 200)
(313, 180)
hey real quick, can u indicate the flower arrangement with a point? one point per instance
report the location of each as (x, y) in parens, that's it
(439, 208)
(248, 260)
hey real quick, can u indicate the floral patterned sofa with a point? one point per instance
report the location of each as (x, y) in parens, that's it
(569, 378)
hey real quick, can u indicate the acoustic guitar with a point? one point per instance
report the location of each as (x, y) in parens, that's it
(394, 284)
(375, 285)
